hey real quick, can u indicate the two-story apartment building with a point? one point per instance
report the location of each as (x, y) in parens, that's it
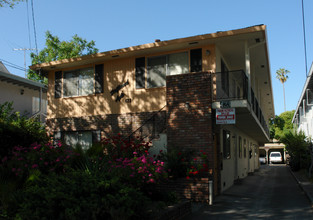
(303, 117)
(209, 92)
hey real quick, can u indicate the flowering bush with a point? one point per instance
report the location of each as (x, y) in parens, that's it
(115, 177)
(117, 147)
(186, 163)
(198, 166)
(139, 170)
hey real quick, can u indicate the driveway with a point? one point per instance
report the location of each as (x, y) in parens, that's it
(271, 193)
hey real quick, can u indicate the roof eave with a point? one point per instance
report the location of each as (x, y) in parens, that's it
(113, 53)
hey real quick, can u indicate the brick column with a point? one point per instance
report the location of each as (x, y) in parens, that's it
(189, 118)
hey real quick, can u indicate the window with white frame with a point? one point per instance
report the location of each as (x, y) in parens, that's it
(78, 82)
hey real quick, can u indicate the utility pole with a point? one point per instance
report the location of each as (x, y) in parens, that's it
(24, 49)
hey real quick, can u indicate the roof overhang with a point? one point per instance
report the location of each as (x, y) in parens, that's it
(149, 48)
(308, 84)
(20, 81)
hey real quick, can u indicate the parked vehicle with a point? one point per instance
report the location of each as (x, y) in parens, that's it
(262, 159)
(275, 157)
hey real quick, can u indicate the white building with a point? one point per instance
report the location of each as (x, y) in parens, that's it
(303, 117)
(25, 94)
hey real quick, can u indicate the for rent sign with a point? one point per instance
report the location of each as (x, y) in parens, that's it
(225, 116)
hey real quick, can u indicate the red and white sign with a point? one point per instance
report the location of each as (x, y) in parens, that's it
(225, 116)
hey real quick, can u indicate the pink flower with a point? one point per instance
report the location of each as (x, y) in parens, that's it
(151, 181)
(34, 166)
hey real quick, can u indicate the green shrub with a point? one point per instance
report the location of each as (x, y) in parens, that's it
(80, 195)
(297, 146)
(16, 130)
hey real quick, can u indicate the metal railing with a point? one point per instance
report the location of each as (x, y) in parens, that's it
(151, 128)
(233, 85)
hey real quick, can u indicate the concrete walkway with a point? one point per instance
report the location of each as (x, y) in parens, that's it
(304, 184)
(273, 192)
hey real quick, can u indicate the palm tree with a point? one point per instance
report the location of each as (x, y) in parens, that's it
(282, 76)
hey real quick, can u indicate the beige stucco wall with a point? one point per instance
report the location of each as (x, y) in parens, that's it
(244, 164)
(21, 103)
(117, 72)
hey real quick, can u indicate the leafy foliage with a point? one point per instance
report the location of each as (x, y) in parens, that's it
(17, 130)
(187, 163)
(59, 183)
(57, 50)
(10, 3)
(281, 124)
(297, 146)
(282, 75)
(80, 195)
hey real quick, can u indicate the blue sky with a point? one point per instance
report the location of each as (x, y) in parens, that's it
(123, 23)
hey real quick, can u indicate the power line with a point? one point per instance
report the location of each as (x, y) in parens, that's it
(304, 40)
(7, 63)
(29, 38)
(34, 25)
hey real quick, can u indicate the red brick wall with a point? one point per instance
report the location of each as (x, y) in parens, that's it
(153, 123)
(194, 189)
(189, 118)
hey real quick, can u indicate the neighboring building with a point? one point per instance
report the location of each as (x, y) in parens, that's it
(24, 93)
(303, 117)
(171, 90)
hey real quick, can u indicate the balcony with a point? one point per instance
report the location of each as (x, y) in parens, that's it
(232, 88)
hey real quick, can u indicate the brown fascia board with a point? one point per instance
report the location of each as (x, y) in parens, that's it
(59, 64)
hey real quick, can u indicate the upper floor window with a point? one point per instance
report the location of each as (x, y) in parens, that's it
(159, 67)
(78, 82)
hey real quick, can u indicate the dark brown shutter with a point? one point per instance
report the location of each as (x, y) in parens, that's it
(196, 60)
(58, 84)
(140, 72)
(99, 79)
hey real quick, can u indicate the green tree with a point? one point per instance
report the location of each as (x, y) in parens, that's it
(282, 76)
(10, 3)
(281, 124)
(57, 50)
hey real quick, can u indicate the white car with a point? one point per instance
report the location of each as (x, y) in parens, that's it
(275, 157)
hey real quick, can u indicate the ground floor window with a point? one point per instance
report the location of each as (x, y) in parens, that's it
(78, 138)
(84, 139)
